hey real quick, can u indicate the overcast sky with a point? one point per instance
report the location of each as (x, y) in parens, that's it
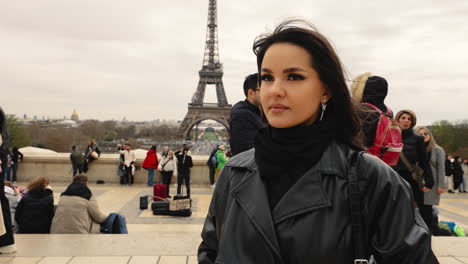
(140, 59)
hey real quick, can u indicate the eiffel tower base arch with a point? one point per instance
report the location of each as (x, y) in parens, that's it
(197, 114)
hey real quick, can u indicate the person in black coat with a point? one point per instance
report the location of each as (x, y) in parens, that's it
(184, 163)
(35, 210)
(372, 90)
(415, 151)
(245, 118)
(212, 166)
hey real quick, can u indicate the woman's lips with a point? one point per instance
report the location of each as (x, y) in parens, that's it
(278, 108)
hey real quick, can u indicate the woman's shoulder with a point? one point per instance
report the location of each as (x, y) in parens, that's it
(373, 168)
(244, 159)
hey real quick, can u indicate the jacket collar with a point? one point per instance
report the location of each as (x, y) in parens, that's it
(305, 196)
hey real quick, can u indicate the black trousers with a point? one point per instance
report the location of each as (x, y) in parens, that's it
(128, 177)
(212, 174)
(77, 169)
(426, 214)
(167, 178)
(183, 176)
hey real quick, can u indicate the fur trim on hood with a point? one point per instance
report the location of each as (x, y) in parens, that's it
(358, 85)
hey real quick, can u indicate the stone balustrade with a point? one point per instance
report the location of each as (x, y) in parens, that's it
(57, 167)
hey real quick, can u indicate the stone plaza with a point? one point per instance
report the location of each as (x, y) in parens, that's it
(164, 239)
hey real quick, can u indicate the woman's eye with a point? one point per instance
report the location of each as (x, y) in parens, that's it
(267, 78)
(295, 77)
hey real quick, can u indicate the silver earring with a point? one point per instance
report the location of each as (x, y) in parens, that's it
(324, 107)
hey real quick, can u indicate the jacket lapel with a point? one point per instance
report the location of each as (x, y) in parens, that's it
(307, 194)
(251, 195)
(304, 196)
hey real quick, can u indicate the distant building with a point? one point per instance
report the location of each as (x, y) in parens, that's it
(74, 116)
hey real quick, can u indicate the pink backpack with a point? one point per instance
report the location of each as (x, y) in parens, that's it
(388, 143)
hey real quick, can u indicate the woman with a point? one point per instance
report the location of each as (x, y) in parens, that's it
(92, 153)
(17, 158)
(436, 156)
(150, 163)
(289, 194)
(35, 210)
(221, 160)
(414, 152)
(168, 169)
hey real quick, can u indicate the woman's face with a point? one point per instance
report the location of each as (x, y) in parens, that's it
(170, 153)
(425, 134)
(291, 91)
(405, 121)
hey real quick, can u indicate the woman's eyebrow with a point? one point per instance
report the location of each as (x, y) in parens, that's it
(288, 70)
(293, 69)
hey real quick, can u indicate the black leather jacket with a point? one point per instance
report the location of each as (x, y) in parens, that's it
(311, 224)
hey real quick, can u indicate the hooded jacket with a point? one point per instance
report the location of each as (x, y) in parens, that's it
(312, 221)
(151, 160)
(372, 90)
(35, 211)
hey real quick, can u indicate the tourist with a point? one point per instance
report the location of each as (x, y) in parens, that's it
(12, 193)
(212, 166)
(368, 89)
(168, 169)
(457, 173)
(129, 161)
(449, 173)
(413, 156)
(465, 175)
(184, 163)
(35, 210)
(245, 117)
(221, 160)
(78, 210)
(92, 153)
(17, 158)
(290, 194)
(150, 163)
(121, 167)
(7, 161)
(7, 241)
(77, 160)
(436, 156)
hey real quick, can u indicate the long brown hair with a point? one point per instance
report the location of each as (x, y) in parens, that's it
(38, 184)
(341, 113)
(432, 142)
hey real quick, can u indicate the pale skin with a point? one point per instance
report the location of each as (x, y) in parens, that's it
(291, 91)
(427, 137)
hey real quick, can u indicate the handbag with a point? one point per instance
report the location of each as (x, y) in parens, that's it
(415, 170)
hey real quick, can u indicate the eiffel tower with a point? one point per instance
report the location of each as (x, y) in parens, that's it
(210, 74)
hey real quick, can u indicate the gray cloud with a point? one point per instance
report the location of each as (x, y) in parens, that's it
(110, 59)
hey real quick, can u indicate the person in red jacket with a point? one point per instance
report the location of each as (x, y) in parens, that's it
(151, 163)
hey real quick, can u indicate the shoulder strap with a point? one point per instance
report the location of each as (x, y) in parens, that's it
(358, 228)
(406, 161)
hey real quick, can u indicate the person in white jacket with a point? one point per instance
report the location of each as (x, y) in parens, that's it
(129, 161)
(168, 168)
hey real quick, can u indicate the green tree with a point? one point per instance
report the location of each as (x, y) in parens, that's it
(18, 136)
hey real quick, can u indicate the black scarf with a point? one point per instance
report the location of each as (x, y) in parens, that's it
(78, 189)
(283, 155)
